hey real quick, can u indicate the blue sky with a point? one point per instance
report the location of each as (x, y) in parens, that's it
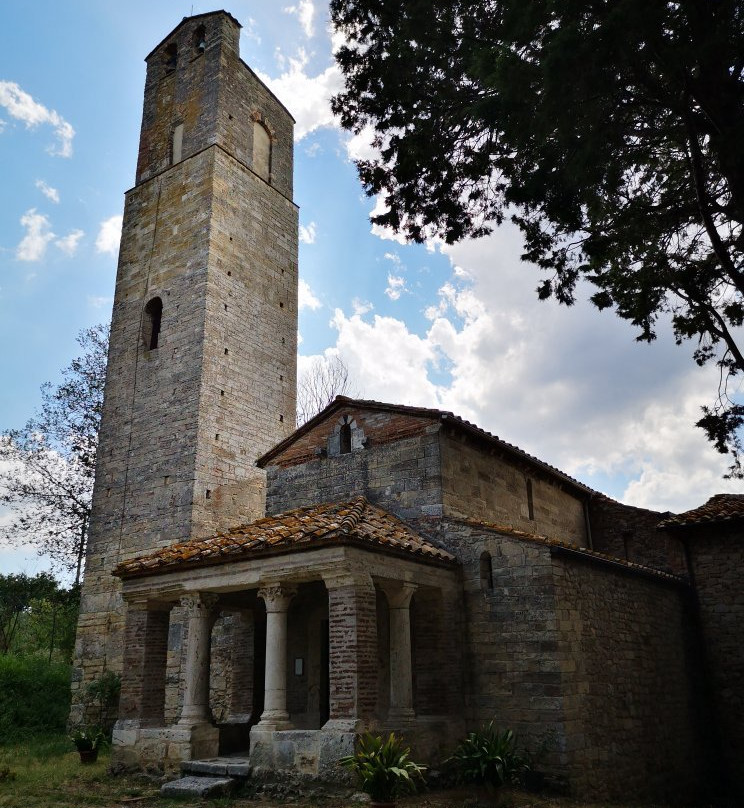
(457, 327)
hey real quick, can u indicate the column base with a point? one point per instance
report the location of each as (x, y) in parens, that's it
(273, 721)
(401, 715)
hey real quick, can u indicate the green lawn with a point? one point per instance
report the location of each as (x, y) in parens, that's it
(46, 772)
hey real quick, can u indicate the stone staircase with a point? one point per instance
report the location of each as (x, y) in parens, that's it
(214, 777)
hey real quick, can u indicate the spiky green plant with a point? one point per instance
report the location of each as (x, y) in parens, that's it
(488, 757)
(383, 767)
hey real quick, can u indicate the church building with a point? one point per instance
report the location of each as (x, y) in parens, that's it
(272, 592)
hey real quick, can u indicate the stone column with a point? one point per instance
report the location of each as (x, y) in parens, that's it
(352, 619)
(200, 618)
(143, 674)
(401, 671)
(277, 598)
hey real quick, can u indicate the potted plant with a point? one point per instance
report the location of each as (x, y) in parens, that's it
(87, 741)
(383, 768)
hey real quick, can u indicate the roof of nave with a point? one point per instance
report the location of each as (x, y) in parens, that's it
(355, 522)
(449, 418)
(718, 509)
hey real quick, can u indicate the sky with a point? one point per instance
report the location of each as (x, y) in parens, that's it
(453, 327)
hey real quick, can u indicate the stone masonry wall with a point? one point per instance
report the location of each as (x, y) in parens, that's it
(479, 484)
(184, 422)
(717, 561)
(628, 682)
(630, 533)
(597, 661)
(400, 474)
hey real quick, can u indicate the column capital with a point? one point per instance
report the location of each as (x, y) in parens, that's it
(398, 593)
(198, 602)
(277, 596)
(341, 578)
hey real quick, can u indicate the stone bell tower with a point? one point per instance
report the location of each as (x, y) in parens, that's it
(202, 361)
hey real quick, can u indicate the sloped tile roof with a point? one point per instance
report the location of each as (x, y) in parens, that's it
(354, 522)
(719, 508)
(423, 412)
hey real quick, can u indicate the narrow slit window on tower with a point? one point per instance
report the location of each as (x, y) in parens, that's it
(530, 502)
(486, 572)
(200, 40)
(261, 151)
(171, 58)
(153, 318)
(177, 144)
(345, 439)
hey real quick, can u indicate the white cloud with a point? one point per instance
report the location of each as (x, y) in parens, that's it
(109, 235)
(33, 245)
(52, 194)
(307, 299)
(305, 11)
(69, 243)
(396, 286)
(100, 302)
(307, 234)
(361, 307)
(21, 106)
(307, 96)
(570, 386)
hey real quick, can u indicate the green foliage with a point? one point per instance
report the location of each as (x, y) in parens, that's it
(383, 767)
(101, 699)
(34, 696)
(610, 132)
(37, 616)
(489, 757)
(7, 774)
(47, 473)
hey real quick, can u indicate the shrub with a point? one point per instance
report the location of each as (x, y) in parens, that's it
(34, 696)
(383, 767)
(101, 699)
(489, 757)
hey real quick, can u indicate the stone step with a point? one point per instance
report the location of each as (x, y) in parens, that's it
(218, 767)
(202, 787)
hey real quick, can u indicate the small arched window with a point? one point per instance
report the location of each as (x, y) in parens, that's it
(171, 58)
(261, 151)
(486, 572)
(153, 317)
(345, 439)
(200, 40)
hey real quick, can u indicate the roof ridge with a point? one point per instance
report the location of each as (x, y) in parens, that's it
(352, 519)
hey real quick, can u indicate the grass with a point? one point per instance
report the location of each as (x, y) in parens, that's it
(45, 772)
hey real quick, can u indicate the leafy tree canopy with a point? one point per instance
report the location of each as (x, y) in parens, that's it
(611, 133)
(47, 468)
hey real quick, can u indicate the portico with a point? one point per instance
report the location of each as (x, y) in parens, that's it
(341, 649)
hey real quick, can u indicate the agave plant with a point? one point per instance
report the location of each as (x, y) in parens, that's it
(489, 757)
(383, 767)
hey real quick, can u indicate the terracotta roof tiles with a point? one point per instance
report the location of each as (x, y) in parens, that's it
(354, 522)
(719, 508)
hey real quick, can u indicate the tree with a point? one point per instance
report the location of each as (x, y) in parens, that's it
(17, 593)
(610, 132)
(47, 468)
(325, 378)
